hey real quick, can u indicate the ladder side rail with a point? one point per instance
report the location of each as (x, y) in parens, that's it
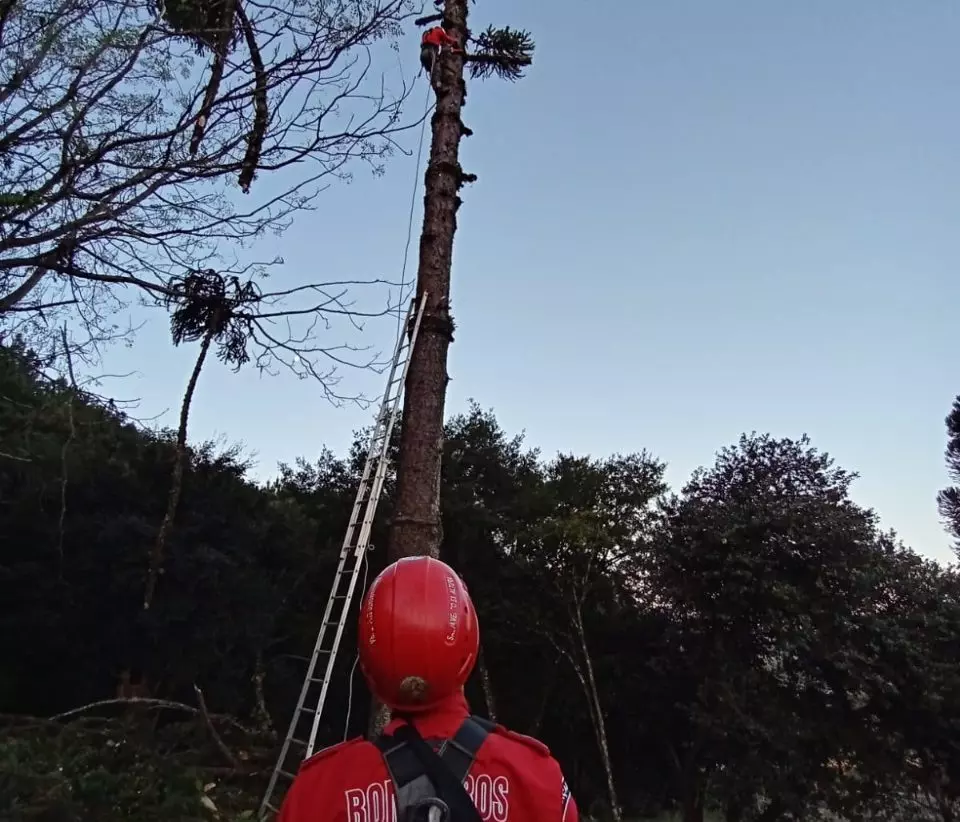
(345, 554)
(367, 521)
(382, 463)
(383, 429)
(380, 430)
(328, 674)
(361, 497)
(305, 688)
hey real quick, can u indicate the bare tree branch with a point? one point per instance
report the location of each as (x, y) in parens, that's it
(119, 148)
(217, 739)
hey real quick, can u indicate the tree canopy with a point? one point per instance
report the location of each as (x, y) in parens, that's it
(749, 647)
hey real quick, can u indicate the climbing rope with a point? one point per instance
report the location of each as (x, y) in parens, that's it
(353, 670)
(413, 202)
(400, 315)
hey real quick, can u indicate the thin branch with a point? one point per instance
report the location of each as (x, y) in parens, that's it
(176, 486)
(150, 702)
(38, 308)
(14, 457)
(218, 740)
(260, 704)
(64, 450)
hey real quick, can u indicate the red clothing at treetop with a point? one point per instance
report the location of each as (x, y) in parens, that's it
(437, 36)
(513, 779)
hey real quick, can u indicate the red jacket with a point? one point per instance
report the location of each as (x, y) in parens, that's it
(514, 778)
(437, 36)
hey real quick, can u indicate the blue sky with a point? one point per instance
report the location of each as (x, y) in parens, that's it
(725, 217)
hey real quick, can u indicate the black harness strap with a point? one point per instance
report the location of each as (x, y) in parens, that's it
(409, 758)
(460, 752)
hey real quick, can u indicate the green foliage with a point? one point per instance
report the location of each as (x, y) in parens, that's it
(761, 650)
(111, 771)
(503, 52)
(207, 302)
(949, 499)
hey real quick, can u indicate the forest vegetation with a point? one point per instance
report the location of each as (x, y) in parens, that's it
(752, 645)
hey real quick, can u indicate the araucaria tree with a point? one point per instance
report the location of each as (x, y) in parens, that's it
(949, 498)
(125, 126)
(416, 526)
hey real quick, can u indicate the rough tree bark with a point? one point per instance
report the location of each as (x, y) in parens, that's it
(487, 685)
(416, 528)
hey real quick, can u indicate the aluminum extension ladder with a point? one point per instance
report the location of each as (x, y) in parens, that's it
(299, 745)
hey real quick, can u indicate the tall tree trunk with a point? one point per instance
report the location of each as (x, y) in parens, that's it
(487, 686)
(415, 527)
(548, 689)
(599, 722)
(689, 784)
(693, 807)
(176, 484)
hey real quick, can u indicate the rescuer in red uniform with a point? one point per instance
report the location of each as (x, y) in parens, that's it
(418, 638)
(431, 43)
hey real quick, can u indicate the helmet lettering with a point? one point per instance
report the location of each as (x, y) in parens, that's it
(368, 612)
(453, 605)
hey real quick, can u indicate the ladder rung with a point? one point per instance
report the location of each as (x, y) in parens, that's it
(299, 742)
(287, 774)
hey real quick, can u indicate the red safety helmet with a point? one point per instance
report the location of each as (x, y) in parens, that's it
(418, 634)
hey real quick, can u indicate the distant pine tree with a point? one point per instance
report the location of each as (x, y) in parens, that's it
(948, 499)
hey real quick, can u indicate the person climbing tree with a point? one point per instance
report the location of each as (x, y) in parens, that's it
(431, 43)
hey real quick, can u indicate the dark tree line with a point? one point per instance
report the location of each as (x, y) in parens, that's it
(751, 647)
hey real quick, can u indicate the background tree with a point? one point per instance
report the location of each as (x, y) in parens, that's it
(760, 650)
(594, 520)
(949, 499)
(209, 308)
(762, 564)
(907, 694)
